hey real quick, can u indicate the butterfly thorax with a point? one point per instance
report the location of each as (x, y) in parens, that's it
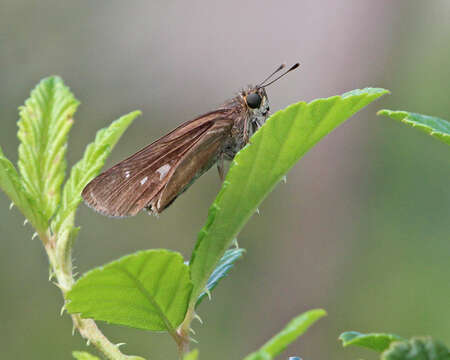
(246, 119)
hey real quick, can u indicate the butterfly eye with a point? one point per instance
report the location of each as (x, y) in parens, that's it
(253, 100)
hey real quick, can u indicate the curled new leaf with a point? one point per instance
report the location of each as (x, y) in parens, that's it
(147, 290)
(222, 269)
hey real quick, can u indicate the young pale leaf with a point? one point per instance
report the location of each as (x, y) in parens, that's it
(378, 342)
(147, 290)
(83, 355)
(45, 121)
(439, 128)
(193, 355)
(87, 168)
(225, 264)
(417, 349)
(12, 186)
(275, 148)
(289, 334)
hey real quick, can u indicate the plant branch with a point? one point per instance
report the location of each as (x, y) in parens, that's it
(183, 331)
(45, 121)
(58, 250)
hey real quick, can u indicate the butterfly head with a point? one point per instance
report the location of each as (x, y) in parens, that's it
(256, 97)
(256, 101)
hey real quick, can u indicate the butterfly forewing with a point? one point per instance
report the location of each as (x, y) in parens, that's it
(140, 180)
(198, 159)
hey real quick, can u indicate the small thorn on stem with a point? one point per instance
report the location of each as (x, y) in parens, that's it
(257, 211)
(207, 292)
(25, 222)
(235, 243)
(73, 329)
(120, 344)
(196, 316)
(88, 342)
(59, 286)
(34, 236)
(284, 178)
(51, 275)
(62, 310)
(11, 206)
(192, 330)
(193, 340)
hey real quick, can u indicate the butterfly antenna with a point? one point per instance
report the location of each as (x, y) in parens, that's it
(293, 67)
(279, 68)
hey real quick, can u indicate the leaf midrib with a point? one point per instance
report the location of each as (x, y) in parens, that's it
(149, 297)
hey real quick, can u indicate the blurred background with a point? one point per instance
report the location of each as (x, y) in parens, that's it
(362, 226)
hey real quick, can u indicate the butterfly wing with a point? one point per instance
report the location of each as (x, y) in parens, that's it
(197, 160)
(132, 184)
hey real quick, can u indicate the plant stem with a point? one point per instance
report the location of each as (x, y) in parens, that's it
(182, 343)
(59, 253)
(183, 332)
(89, 330)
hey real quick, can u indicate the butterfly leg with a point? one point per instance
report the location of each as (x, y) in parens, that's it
(246, 135)
(220, 167)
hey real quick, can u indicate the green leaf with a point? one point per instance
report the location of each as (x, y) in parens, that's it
(257, 169)
(222, 269)
(289, 334)
(193, 355)
(45, 121)
(147, 290)
(11, 184)
(434, 126)
(375, 341)
(417, 349)
(259, 356)
(86, 169)
(83, 355)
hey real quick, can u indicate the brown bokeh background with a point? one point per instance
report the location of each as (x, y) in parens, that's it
(362, 226)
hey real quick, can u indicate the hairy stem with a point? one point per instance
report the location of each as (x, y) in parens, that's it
(59, 254)
(89, 330)
(183, 332)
